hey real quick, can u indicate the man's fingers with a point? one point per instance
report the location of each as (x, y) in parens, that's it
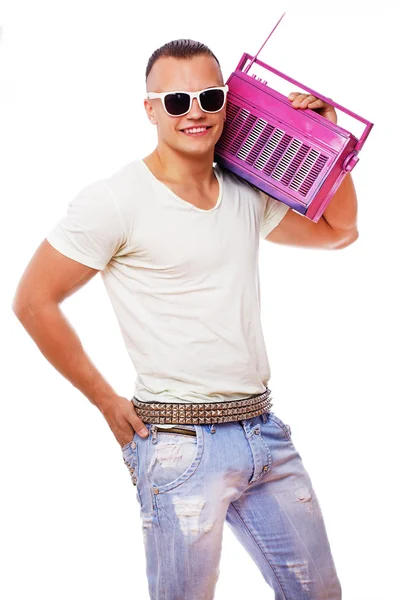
(303, 100)
(317, 103)
(138, 425)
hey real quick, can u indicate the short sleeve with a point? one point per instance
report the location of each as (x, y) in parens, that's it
(274, 212)
(91, 231)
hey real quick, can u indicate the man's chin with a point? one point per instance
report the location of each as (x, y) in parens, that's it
(197, 150)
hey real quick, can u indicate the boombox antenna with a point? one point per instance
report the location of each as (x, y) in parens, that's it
(255, 57)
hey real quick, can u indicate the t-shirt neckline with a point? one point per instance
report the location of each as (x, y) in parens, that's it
(218, 175)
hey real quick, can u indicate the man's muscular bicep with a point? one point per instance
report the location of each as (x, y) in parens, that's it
(49, 277)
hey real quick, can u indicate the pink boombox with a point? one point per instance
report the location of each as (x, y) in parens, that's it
(294, 155)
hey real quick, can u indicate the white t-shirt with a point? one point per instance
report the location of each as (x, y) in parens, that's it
(183, 281)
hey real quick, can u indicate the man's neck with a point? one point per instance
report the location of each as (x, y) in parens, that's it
(177, 169)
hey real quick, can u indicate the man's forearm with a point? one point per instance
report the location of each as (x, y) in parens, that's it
(61, 346)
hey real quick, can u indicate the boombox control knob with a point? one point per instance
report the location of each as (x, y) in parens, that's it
(264, 81)
(350, 162)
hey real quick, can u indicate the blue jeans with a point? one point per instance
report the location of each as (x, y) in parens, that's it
(247, 473)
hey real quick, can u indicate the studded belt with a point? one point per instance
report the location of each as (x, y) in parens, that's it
(200, 413)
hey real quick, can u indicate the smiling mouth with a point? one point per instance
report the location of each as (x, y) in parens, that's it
(196, 131)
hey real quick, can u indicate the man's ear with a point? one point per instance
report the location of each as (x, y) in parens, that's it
(150, 112)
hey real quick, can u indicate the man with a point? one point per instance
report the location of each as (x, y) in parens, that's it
(176, 242)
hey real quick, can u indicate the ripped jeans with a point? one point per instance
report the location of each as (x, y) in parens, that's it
(247, 473)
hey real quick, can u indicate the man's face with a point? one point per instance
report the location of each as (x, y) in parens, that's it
(189, 75)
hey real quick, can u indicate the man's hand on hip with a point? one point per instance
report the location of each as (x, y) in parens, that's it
(123, 420)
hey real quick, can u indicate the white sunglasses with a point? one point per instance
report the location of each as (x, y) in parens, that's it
(177, 104)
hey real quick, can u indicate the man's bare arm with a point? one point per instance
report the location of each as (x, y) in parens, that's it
(48, 279)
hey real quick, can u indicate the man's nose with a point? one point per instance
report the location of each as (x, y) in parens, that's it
(195, 109)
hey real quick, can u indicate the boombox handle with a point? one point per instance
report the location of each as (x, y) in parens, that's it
(254, 59)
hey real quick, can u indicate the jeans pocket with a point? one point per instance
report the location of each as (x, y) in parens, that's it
(282, 426)
(173, 455)
(128, 443)
(129, 455)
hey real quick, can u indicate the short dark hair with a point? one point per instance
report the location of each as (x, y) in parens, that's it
(182, 48)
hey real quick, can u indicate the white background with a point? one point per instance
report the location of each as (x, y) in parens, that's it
(71, 93)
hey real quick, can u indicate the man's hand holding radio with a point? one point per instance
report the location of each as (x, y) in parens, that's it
(300, 100)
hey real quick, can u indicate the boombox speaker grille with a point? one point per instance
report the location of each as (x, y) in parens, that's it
(271, 150)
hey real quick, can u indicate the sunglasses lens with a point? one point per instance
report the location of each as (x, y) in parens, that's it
(212, 100)
(177, 104)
